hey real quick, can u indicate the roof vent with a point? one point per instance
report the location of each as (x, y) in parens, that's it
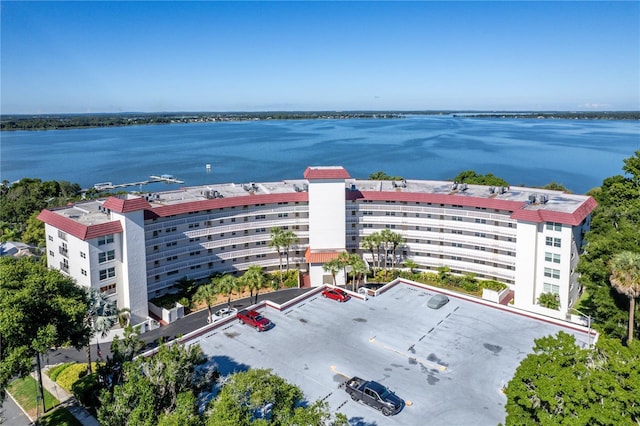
(454, 186)
(543, 199)
(491, 190)
(463, 187)
(532, 199)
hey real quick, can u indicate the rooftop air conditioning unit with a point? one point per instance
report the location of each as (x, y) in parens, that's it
(454, 186)
(532, 199)
(491, 190)
(543, 199)
(463, 187)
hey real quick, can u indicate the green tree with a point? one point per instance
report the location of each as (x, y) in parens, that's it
(411, 264)
(561, 384)
(227, 285)
(332, 266)
(372, 244)
(470, 176)
(288, 238)
(154, 389)
(549, 300)
(207, 293)
(277, 242)
(380, 175)
(39, 309)
(615, 227)
(625, 278)
(358, 269)
(258, 396)
(101, 317)
(254, 279)
(34, 232)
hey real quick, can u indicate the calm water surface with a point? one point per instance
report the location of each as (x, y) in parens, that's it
(576, 153)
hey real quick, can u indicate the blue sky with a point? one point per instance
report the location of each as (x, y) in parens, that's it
(76, 57)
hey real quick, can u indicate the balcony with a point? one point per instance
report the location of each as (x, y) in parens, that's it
(63, 251)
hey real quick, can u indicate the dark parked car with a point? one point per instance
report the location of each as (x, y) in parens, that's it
(374, 394)
(438, 301)
(336, 294)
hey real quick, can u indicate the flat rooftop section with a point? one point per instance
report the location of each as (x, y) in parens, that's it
(88, 213)
(557, 201)
(449, 364)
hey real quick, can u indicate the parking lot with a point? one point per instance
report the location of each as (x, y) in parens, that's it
(449, 364)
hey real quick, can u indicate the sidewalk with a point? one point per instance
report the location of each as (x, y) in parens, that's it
(67, 400)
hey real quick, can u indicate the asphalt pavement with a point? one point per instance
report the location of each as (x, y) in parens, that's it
(168, 332)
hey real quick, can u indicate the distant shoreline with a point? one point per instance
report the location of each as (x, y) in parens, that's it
(82, 121)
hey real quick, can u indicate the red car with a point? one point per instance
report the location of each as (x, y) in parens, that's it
(254, 319)
(336, 294)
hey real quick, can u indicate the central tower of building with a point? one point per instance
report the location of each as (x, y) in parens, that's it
(327, 223)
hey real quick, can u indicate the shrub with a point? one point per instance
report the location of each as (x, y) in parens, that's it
(87, 391)
(549, 300)
(70, 375)
(493, 285)
(54, 372)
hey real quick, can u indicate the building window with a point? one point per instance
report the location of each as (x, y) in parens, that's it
(62, 235)
(551, 273)
(481, 220)
(51, 253)
(172, 229)
(83, 255)
(106, 256)
(106, 239)
(457, 218)
(553, 242)
(480, 234)
(108, 289)
(173, 272)
(553, 226)
(50, 237)
(551, 288)
(83, 272)
(107, 273)
(260, 216)
(552, 257)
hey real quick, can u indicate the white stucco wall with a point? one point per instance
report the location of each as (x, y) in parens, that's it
(133, 292)
(526, 265)
(327, 229)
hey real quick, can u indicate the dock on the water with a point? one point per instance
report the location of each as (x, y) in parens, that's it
(107, 186)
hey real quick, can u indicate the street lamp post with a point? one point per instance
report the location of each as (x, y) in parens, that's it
(588, 317)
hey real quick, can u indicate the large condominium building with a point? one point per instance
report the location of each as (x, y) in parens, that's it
(135, 247)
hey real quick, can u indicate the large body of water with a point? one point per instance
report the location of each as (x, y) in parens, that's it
(576, 153)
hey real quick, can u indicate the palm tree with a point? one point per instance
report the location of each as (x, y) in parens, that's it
(277, 243)
(227, 285)
(411, 264)
(332, 266)
(288, 238)
(369, 243)
(386, 243)
(254, 279)
(358, 268)
(625, 278)
(343, 260)
(395, 240)
(101, 316)
(207, 293)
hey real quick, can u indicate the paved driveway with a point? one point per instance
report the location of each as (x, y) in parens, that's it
(448, 364)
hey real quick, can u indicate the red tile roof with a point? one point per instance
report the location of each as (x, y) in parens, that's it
(120, 205)
(320, 256)
(312, 173)
(218, 203)
(77, 229)
(519, 208)
(540, 215)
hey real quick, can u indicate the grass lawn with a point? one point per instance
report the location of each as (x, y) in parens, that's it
(59, 417)
(25, 391)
